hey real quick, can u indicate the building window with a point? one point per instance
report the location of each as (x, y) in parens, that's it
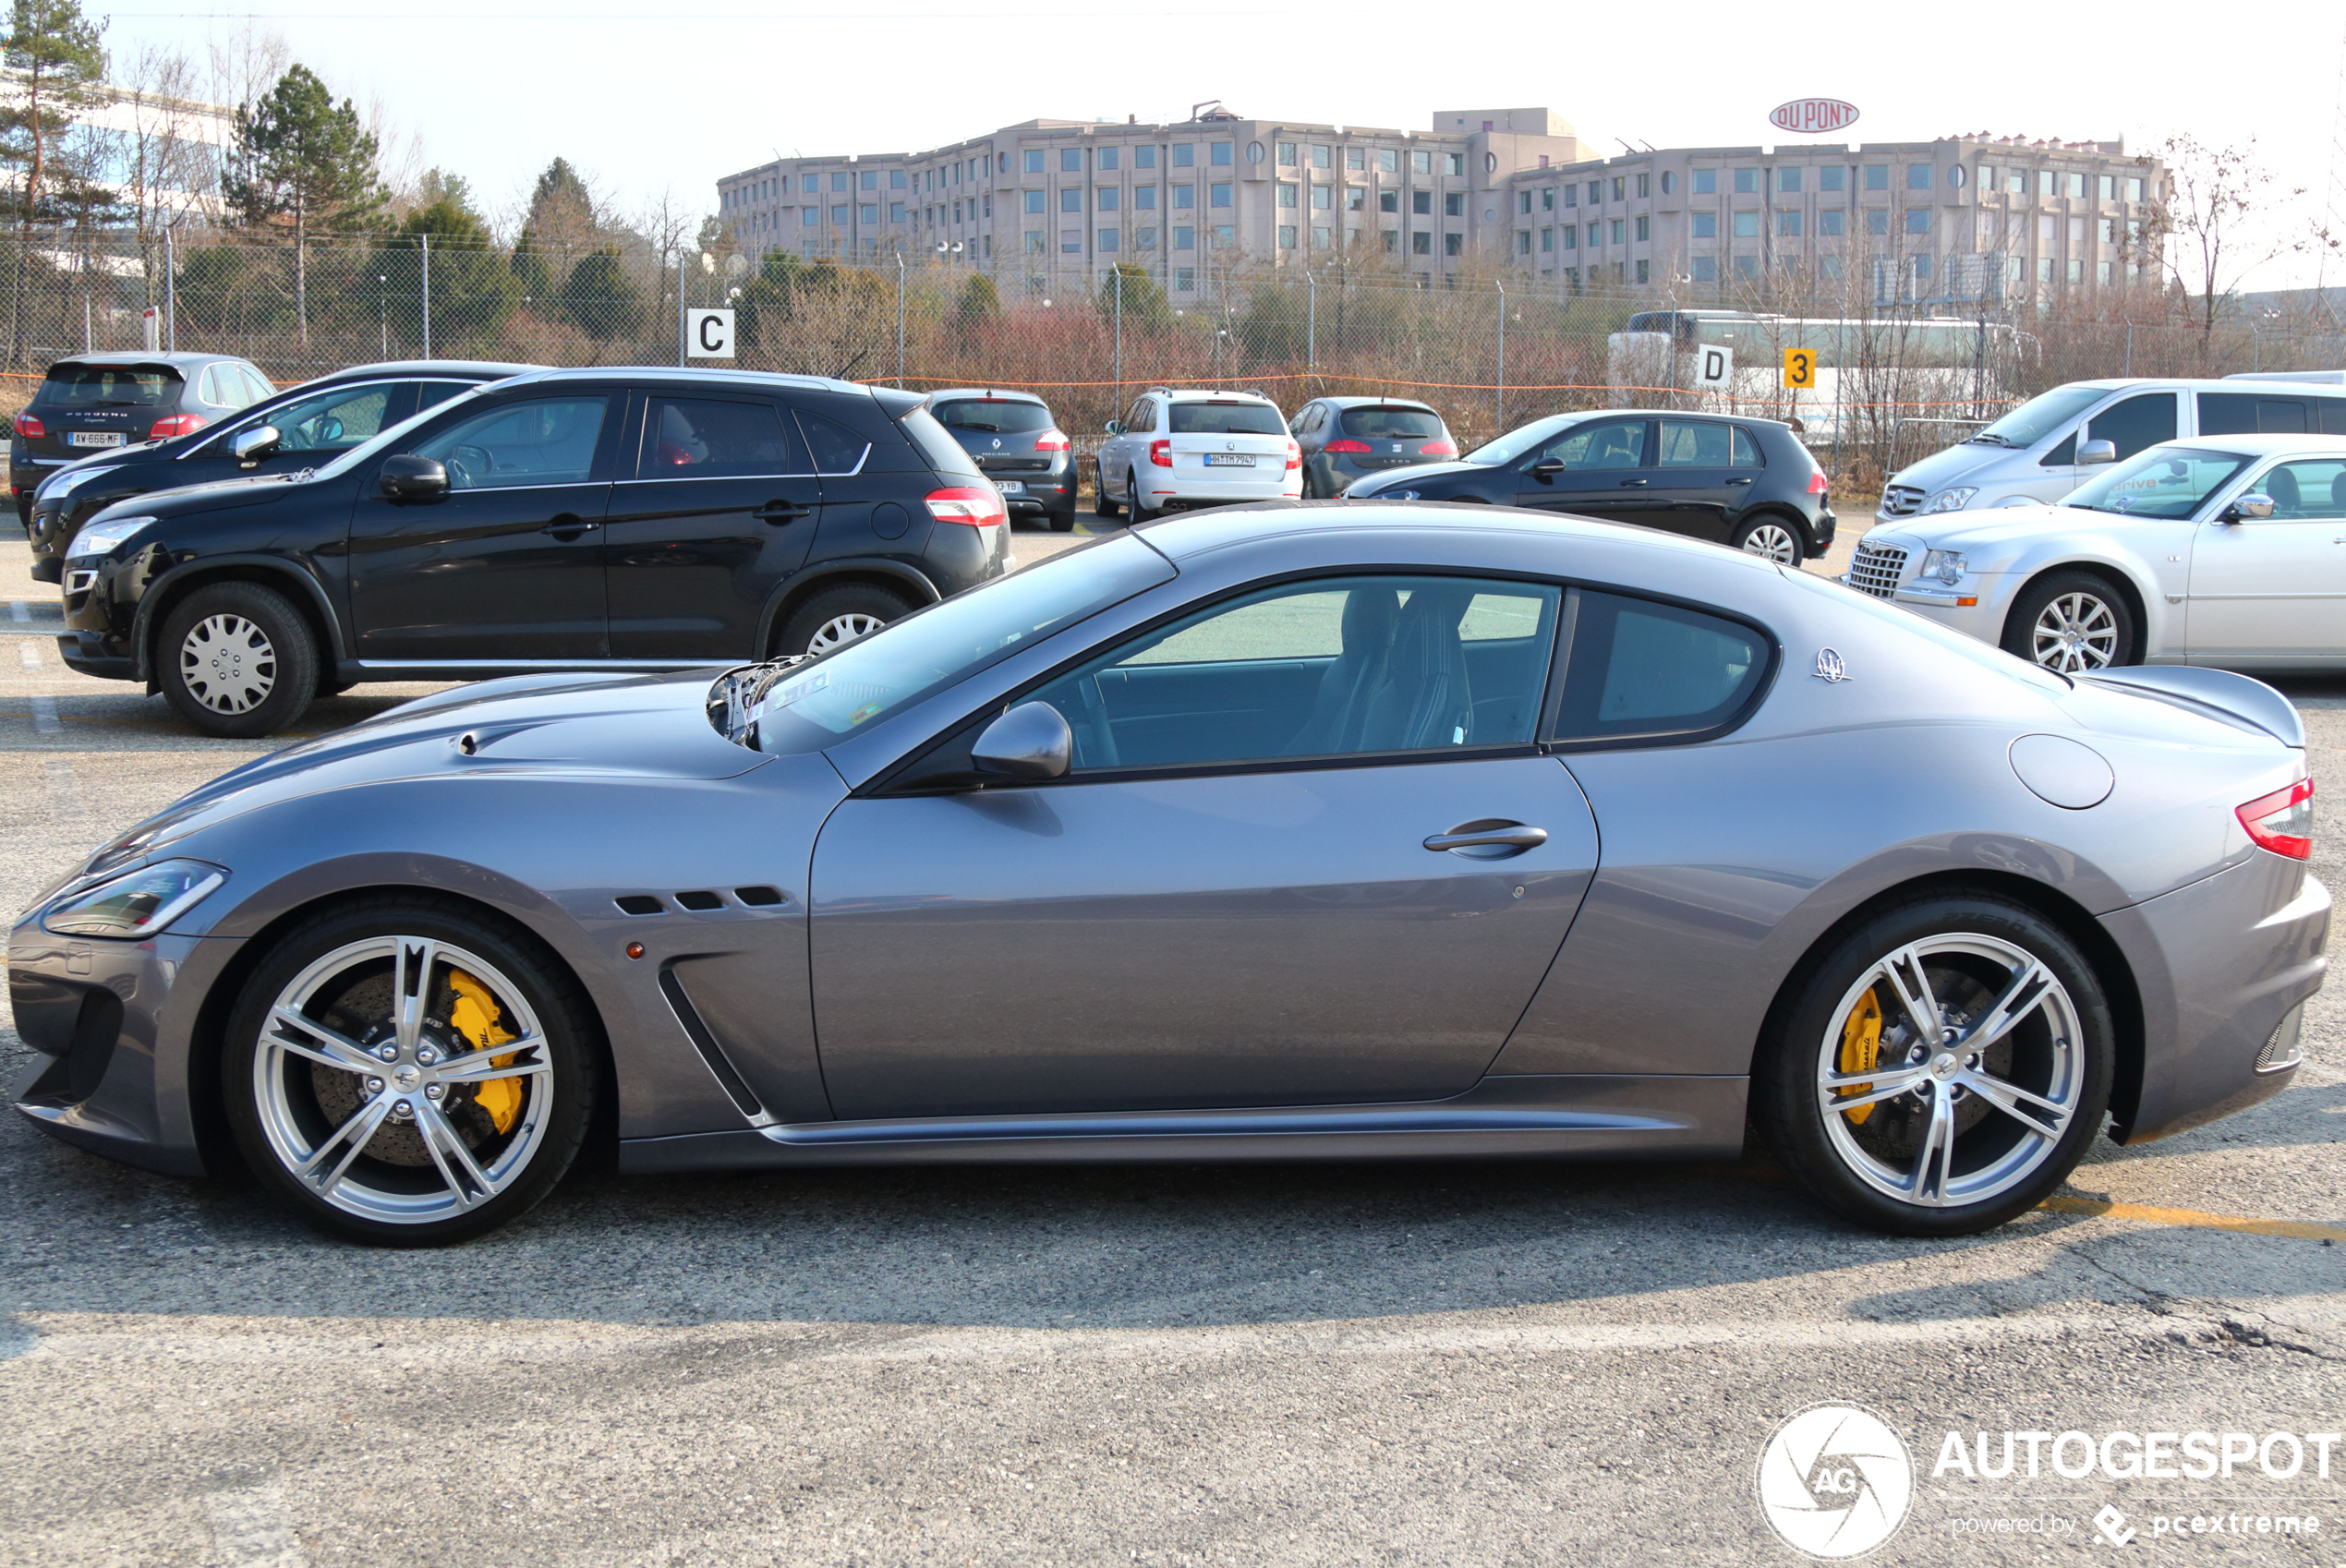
(1392, 241)
(1219, 196)
(1458, 163)
(1034, 201)
(1184, 198)
(1184, 237)
(2077, 193)
(1596, 193)
(1323, 157)
(1832, 221)
(896, 179)
(1388, 160)
(1221, 153)
(839, 180)
(1184, 279)
(895, 212)
(1747, 267)
(1071, 160)
(1033, 160)
(1572, 236)
(1144, 239)
(1453, 245)
(1287, 236)
(1422, 163)
(1105, 161)
(1388, 201)
(1548, 200)
(1617, 183)
(1645, 230)
(1454, 204)
(1547, 239)
(1918, 221)
(1104, 200)
(1706, 268)
(1746, 182)
(1877, 176)
(1706, 225)
(1355, 158)
(1596, 235)
(1224, 233)
(1788, 225)
(2048, 183)
(1746, 226)
(1833, 176)
(868, 179)
(1644, 273)
(1324, 197)
(1523, 242)
(809, 184)
(1145, 157)
(1522, 202)
(1144, 198)
(1788, 180)
(810, 216)
(1619, 224)
(1071, 242)
(838, 214)
(1287, 154)
(1320, 238)
(1669, 181)
(1035, 242)
(1184, 154)
(1420, 244)
(2134, 190)
(1877, 220)
(1421, 203)
(1287, 193)
(1071, 198)
(1706, 182)
(1107, 239)
(1356, 199)
(1572, 195)
(1918, 176)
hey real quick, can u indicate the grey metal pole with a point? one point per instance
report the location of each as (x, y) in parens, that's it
(170, 312)
(899, 321)
(425, 241)
(2129, 348)
(1502, 400)
(1119, 276)
(1310, 323)
(680, 308)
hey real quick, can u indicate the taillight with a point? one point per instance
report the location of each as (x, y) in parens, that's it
(1815, 481)
(1294, 456)
(1161, 454)
(1050, 440)
(29, 427)
(177, 424)
(2283, 821)
(977, 506)
(1348, 446)
(1440, 449)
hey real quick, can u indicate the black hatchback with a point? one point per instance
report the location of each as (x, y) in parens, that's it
(1344, 437)
(1746, 483)
(601, 520)
(1018, 444)
(90, 402)
(302, 428)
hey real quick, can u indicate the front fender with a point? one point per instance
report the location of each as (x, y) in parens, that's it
(279, 570)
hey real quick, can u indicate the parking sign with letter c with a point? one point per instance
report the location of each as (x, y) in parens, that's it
(709, 334)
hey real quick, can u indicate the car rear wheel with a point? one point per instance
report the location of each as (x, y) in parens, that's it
(2072, 622)
(404, 1073)
(1140, 509)
(1063, 521)
(1941, 1069)
(1772, 538)
(839, 616)
(237, 660)
(1101, 505)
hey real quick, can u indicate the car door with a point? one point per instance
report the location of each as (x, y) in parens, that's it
(508, 565)
(1127, 451)
(1697, 483)
(2275, 586)
(715, 502)
(1599, 469)
(1240, 895)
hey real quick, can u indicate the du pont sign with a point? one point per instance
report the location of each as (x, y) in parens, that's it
(1811, 115)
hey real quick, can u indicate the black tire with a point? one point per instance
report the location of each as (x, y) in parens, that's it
(1969, 947)
(1138, 508)
(2075, 623)
(1102, 506)
(266, 1089)
(1063, 521)
(236, 660)
(1755, 536)
(831, 611)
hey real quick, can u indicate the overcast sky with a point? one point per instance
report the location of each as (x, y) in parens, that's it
(647, 98)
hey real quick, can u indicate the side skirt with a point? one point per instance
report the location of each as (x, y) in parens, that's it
(1588, 1116)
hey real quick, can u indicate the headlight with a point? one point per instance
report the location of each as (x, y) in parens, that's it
(1950, 500)
(138, 904)
(1947, 565)
(65, 485)
(100, 539)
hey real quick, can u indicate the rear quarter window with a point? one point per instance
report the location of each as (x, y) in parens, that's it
(943, 452)
(1645, 672)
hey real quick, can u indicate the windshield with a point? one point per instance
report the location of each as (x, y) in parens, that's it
(109, 386)
(2042, 415)
(825, 698)
(390, 439)
(993, 416)
(1226, 419)
(2166, 482)
(1515, 443)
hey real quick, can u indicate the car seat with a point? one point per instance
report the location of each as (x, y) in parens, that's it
(1425, 698)
(2281, 485)
(1341, 704)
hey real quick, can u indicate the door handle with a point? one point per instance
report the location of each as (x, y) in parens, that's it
(1739, 481)
(1627, 483)
(568, 526)
(1489, 834)
(780, 512)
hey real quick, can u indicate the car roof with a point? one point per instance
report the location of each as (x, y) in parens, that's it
(691, 376)
(1665, 414)
(1182, 535)
(469, 370)
(1186, 394)
(131, 359)
(989, 394)
(1375, 402)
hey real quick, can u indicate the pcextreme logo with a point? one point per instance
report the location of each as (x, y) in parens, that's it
(1834, 1481)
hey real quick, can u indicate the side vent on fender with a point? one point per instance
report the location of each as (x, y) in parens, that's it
(696, 1029)
(700, 900)
(758, 898)
(638, 904)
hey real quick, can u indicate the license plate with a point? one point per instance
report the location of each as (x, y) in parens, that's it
(95, 438)
(1228, 460)
(1010, 486)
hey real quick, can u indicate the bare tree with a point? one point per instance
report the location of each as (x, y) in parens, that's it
(2213, 226)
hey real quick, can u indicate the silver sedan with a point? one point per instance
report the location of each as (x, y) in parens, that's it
(1318, 831)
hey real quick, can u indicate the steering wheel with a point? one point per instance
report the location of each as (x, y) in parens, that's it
(461, 465)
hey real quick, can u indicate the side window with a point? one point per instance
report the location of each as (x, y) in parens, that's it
(1613, 445)
(836, 449)
(1331, 667)
(2137, 423)
(431, 394)
(332, 421)
(2333, 411)
(2310, 488)
(548, 443)
(1643, 672)
(2242, 413)
(1693, 443)
(1746, 450)
(2063, 453)
(208, 389)
(256, 385)
(711, 438)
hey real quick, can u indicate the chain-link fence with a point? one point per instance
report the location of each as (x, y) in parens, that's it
(1490, 351)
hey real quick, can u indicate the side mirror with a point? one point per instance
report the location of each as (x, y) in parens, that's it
(1030, 742)
(1546, 469)
(2092, 453)
(248, 447)
(1114, 426)
(405, 477)
(2246, 508)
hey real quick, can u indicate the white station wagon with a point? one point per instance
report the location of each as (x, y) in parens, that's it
(1177, 449)
(2225, 551)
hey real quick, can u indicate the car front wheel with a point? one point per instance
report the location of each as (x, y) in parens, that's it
(2072, 622)
(237, 660)
(1944, 1068)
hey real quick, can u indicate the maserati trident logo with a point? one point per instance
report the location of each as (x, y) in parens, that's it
(1834, 1482)
(1830, 669)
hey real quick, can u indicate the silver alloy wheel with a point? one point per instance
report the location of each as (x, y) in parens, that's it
(1774, 542)
(2075, 633)
(407, 1091)
(1977, 1071)
(227, 663)
(840, 629)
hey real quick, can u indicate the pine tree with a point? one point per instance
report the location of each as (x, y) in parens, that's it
(299, 154)
(63, 61)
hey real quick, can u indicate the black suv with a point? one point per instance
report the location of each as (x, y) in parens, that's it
(615, 520)
(93, 402)
(1019, 445)
(1745, 483)
(310, 424)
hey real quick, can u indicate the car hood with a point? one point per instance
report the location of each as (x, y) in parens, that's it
(215, 494)
(1388, 480)
(1992, 539)
(1952, 466)
(648, 726)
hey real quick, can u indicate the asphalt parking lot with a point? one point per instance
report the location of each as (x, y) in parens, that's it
(1498, 1363)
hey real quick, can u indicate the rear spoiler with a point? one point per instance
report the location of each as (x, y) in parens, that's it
(2220, 693)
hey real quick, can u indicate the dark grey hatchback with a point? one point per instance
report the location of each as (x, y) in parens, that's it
(1018, 444)
(1344, 438)
(90, 403)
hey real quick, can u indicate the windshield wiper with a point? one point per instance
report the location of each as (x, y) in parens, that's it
(1990, 436)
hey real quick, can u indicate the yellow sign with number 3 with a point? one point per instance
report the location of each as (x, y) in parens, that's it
(1799, 368)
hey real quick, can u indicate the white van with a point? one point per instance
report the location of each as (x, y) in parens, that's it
(2049, 446)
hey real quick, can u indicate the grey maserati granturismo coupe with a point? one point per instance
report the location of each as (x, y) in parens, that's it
(1323, 830)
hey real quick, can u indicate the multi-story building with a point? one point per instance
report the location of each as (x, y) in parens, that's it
(1955, 220)
(1046, 198)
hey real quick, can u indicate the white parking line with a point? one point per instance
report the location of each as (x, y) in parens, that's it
(65, 790)
(17, 610)
(251, 1529)
(44, 716)
(30, 654)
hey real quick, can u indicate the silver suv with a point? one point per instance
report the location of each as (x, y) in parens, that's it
(1177, 449)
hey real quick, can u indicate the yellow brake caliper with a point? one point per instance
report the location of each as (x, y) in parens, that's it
(1860, 1049)
(479, 1020)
